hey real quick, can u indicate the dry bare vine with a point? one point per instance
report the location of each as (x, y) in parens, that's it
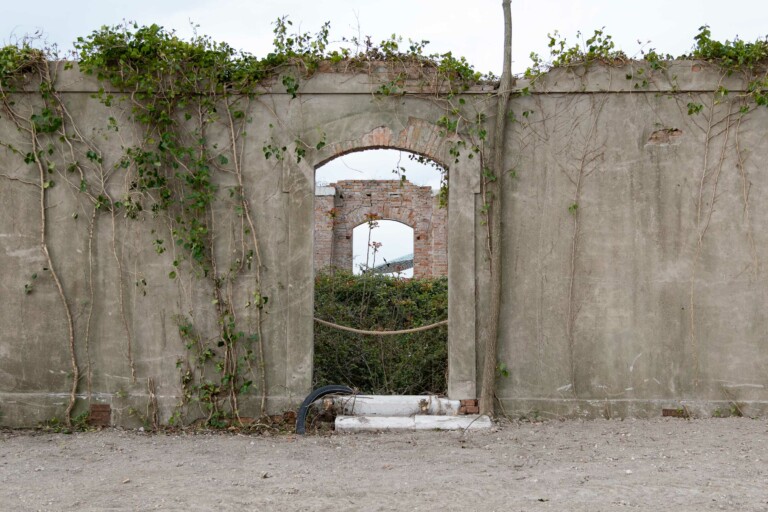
(587, 158)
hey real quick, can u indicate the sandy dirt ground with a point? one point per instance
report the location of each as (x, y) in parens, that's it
(664, 464)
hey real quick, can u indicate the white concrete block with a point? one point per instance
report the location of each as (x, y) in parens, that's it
(470, 421)
(395, 405)
(418, 422)
(372, 423)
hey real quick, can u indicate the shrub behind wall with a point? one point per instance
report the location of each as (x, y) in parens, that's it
(404, 364)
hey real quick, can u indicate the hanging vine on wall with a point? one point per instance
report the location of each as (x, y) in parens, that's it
(177, 91)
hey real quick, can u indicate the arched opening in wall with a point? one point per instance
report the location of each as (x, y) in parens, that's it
(382, 246)
(381, 264)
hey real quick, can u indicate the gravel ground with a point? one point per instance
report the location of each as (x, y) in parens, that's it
(663, 464)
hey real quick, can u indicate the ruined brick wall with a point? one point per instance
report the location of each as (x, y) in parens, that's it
(439, 239)
(342, 206)
(324, 219)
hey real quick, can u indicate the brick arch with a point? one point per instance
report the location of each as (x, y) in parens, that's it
(401, 201)
(417, 136)
(422, 228)
(422, 270)
(359, 218)
(385, 218)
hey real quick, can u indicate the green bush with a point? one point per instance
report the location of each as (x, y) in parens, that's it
(404, 364)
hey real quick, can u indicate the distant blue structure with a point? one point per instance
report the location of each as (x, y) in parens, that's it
(397, 265)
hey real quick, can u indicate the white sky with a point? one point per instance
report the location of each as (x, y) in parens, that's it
(473, 29)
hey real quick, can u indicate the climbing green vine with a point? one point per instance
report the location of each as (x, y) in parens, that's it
(178, 93)
(738, 56)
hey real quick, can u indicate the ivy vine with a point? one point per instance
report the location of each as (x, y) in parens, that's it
(176, 90)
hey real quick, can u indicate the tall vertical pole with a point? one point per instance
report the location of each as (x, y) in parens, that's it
(494, 191)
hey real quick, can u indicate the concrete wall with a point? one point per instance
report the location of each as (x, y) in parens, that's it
(634, 248)
(337, 215)
(116, 281)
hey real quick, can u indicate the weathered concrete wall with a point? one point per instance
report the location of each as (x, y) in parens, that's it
(634, 248)
(355, 201)
(116, 279)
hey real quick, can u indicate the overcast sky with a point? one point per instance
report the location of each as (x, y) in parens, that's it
(469, 28)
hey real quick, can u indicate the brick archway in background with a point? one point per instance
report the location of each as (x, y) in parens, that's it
(415, 136)
(346, 204)
(351, 200)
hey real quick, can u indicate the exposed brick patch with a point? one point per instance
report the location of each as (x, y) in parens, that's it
(665, 137)
(681, 412)
(379, 137)
(469, 406)
(100, 415)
